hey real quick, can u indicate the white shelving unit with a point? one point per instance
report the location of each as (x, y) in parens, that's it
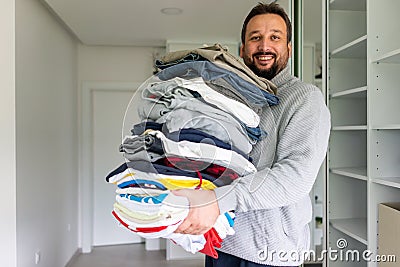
(347, 157)
(363, 70)
(384, 110)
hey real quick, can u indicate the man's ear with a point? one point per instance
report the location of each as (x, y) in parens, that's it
(290, 49)
(241, 50)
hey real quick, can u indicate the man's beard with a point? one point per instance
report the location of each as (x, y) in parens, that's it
(270, 73)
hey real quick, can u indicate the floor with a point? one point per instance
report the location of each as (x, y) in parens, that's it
(133, 255)
(129, 256)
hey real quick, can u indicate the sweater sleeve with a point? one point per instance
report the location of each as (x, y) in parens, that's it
(300, 151)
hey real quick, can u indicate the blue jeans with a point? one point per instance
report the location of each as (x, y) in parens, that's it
(225, 260)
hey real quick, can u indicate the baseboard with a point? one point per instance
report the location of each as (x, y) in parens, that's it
(74, 257)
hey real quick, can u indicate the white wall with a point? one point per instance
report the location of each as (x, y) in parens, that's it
(105, 64)
(7, 135)
(47, 141)
(113, 63)
(312, 21)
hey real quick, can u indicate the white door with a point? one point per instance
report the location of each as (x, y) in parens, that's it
(108, 109)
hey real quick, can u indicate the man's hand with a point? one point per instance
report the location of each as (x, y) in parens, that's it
(203, 212)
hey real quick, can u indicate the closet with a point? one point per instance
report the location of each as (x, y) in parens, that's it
(362, 82)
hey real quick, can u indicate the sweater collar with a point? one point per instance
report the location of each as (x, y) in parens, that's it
(282, 77)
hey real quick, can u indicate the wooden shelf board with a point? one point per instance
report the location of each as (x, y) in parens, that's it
(388, 181)
(349, 128)
(353, 227)
(390, 57)
(354, 92)
(387, 127)
(353, 172)
(354, 49)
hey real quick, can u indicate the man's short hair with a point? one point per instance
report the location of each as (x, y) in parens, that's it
(272, 8)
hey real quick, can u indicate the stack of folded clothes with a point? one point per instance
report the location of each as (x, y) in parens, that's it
(199, 121)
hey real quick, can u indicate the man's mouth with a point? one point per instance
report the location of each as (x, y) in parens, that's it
(264, 58)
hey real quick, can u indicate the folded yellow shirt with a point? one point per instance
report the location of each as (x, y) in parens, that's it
(173, 184)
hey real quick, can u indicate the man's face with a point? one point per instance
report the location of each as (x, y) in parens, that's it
(266, 50)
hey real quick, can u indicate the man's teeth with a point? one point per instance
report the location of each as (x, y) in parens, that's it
(265, 57)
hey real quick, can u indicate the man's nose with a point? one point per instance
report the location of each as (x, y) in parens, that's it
(264, 45)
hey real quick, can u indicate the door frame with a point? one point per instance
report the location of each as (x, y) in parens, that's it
(85, 158)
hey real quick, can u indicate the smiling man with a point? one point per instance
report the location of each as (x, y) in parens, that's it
(273, 206)
(266, 45)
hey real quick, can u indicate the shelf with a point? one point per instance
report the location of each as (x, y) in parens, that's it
(359, 92)
(349, 128)
(388, 181)
(353, 49)
(355, 228)
(357, 173)
(362, 85)
(390, 57)
(354, 5)
(387, 127)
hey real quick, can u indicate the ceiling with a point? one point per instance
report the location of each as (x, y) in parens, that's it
(141, 23)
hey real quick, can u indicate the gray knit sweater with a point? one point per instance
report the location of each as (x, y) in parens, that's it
(273, 207)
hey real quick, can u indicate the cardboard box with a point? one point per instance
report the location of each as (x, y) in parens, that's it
(389, 232)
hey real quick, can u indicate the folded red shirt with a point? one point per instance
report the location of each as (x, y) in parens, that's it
(212, 241)
(212, 169)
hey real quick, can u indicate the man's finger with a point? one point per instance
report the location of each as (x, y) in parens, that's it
(185, 225)
(181, 192)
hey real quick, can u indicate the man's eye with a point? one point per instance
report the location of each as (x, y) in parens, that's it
(275, 37)
(255, 38)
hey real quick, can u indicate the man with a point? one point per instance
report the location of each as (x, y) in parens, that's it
(272, 207)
